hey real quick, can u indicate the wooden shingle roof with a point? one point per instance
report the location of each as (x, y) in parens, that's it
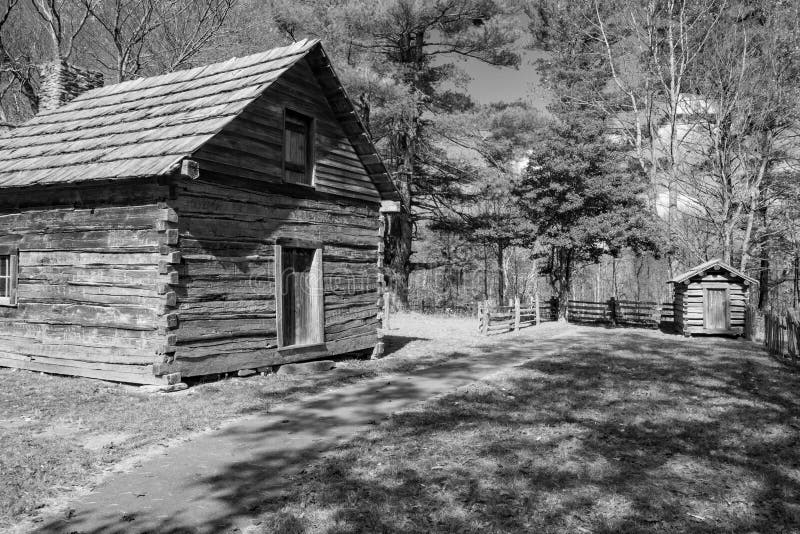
(711, 264)
(145, 127)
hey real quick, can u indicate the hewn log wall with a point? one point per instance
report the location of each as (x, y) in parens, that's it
(226, 280)
(87, 289)
(689, 303)
(230, 219)
(679, 307)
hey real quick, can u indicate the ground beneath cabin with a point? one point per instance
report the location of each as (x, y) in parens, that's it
(557, 429)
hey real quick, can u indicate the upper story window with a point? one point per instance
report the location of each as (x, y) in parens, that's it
(8, 277)
(298, 148)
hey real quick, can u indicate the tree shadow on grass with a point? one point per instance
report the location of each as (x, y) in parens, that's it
(393, 343)
(601, 431)
(296, 387)
(669, 437)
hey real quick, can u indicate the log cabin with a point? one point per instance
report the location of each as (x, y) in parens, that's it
(711, 299)
(206, 221)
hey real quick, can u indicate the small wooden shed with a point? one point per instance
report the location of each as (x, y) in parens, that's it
(710, 299)
(210, 220)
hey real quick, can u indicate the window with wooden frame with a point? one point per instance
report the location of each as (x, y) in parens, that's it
(299, 296)
(298, 148)
(9, 266)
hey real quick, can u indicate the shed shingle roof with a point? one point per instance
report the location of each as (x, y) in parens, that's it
(711, 264)
(144, 127)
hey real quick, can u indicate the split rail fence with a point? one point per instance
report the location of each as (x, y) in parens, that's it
(622, 313)
(500, 319)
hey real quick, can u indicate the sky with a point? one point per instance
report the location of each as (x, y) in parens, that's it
(504, 84)
(495, 84)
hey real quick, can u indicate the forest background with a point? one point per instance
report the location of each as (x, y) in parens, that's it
(568, 148)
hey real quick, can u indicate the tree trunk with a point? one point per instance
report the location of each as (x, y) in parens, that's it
(597, 282)
(748, 232)
(763, 272)
(756, 195)
(485, 274)
(796, 282)
(500, 275)
(561, 278)
(398, 251)
(727, 243)
(405, 145)
(763, 281)
(614, 275)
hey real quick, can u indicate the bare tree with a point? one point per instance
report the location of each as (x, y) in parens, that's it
(748, 79)
(650, 53)
(64, 20)
(187, 28)
(31, 33)
(127, 24)
(151, 36)
(11, 71)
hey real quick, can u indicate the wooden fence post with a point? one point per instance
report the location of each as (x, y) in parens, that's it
(516, 314)
(386, 306)
(612, 308)
(538, 309)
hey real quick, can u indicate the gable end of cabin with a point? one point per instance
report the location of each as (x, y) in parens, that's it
(279, 238)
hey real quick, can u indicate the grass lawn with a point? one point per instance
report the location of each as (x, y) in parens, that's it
(618, 431)
(58, 435)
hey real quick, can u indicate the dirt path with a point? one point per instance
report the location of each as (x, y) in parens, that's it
(216, 482)
(222, 482)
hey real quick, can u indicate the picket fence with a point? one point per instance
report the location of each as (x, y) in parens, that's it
(782, 335)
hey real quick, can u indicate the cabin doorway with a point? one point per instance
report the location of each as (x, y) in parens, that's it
(716, 313)
(300, 297)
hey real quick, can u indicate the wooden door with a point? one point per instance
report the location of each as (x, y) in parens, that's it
(716, 314)
(298, 310)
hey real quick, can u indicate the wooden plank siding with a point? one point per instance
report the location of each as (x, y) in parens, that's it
(251, 146)
(226, 289)
(87, 297)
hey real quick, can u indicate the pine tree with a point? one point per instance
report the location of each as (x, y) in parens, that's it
(583, 198)
(398, 59)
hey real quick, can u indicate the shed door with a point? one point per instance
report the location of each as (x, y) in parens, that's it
(298, 310)
(715, 313)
